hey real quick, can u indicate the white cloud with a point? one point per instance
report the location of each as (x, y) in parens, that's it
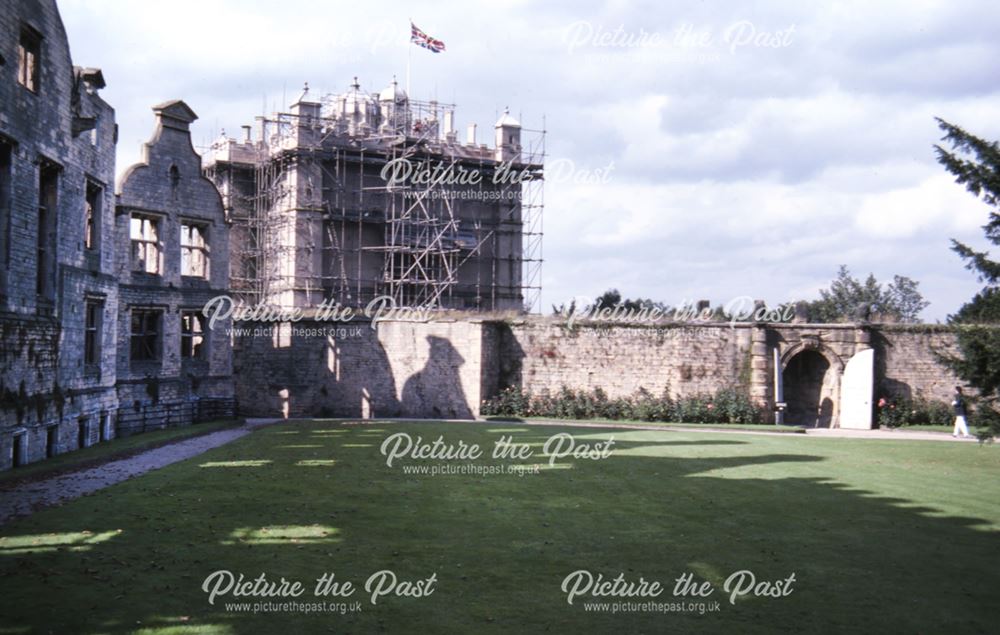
(754, 171)
(935, 203)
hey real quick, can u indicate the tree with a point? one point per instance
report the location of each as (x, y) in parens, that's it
(903, 299)
(975, 163)
(611, 299)
(851, 299)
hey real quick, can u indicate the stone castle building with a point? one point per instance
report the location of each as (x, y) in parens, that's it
(359, 195)
(90, 346)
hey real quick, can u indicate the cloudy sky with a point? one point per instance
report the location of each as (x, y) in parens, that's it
(717, 151)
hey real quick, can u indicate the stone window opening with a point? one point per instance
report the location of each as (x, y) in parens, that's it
(19, 449)
(92, 216)
(145, 335)
(194, 250)
(145, 235)
(83, 433)
(5, 206)
(29, 50)
(175, 180)
(47, 212)
(92, 332)
(192, 335)
(51, 441)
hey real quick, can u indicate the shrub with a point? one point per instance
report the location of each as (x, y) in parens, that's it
(727, 405)
(896, 412)
(734, 406)
(508, 402)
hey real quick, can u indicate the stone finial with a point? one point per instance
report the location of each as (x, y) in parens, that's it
(175, 114)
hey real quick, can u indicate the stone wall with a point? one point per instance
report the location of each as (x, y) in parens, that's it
(543, 355)
(399, 369)
(907, 363)
(446, 368)
(682, 359)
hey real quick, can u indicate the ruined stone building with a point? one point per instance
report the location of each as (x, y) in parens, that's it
(57, 285)
(173, 258)
(89, 347)
(361, 195)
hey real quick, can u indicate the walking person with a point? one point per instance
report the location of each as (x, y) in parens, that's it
(959, 404)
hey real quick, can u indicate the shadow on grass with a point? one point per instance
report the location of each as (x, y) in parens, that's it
(499, 545)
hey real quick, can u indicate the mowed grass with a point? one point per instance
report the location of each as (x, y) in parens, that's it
(882, 536)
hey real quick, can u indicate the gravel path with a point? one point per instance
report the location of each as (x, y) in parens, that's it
(893, 433)
(30, 497)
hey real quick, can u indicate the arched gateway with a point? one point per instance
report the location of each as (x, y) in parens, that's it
(809, 390)
(823, 375)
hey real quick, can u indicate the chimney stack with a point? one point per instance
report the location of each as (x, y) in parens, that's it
(449, 122)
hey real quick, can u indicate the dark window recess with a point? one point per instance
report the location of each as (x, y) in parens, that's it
(175, 178)
(145, 340)
(48, 182)
(51, 442)
(92, 332)
(5, 181)
(83, 434)
(17, 451)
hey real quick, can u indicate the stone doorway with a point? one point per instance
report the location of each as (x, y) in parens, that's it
(809, 390)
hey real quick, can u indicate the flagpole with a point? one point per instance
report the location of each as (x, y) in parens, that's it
(409, 54)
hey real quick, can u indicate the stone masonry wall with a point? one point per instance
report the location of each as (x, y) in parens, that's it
(542, 355)
(399, 369)
(446, 368)
(906, 362)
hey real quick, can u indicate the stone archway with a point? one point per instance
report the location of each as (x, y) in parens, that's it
(810, 389)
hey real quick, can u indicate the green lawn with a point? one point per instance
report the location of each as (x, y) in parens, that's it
(882, 536)
(107, 451)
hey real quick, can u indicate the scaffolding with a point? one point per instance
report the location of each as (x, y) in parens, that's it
(315, 217)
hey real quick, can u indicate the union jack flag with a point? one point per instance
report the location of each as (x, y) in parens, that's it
(420, 38)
